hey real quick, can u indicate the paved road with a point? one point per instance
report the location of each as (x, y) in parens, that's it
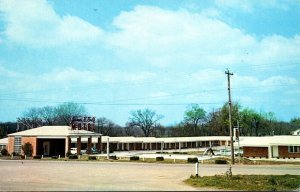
(72, 175)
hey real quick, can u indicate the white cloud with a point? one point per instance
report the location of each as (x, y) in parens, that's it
(277, 49)
(69, 78)
(163, 37)
(4, 73)
(279, 80)
(239, 81)
(182, 39)
(36, 24)
(69, 75)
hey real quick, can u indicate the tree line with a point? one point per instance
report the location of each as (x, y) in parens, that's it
(146, 122)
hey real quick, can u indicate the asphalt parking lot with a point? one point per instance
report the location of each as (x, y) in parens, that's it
(35, 175)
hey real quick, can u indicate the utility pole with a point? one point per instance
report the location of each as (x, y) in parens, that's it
(237, 138)
(227, 72)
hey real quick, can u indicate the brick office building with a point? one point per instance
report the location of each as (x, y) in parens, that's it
(271, 147)
(52, 140)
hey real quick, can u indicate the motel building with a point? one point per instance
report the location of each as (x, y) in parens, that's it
(271, 147)
(53, 140)
(58, 140)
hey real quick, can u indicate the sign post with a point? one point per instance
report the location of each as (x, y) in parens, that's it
(197, 169)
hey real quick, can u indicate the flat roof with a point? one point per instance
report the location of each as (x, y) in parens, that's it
(269, 141)
(4, 141)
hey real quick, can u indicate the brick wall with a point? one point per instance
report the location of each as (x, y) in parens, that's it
(284, 153)
(10, 145)
(255, 151)
(32, 141)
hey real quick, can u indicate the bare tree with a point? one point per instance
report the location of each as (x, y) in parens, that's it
(66, 111)
(146, 120)
(48, 115)
(31, 118)
(132, 130)
(105, 126)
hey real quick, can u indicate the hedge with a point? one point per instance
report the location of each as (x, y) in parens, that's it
(92, 158)
(73, 156)
(220, 161)
(192, 160)
(159, 158)
(134, 158)
(113, 157)
(37, 157)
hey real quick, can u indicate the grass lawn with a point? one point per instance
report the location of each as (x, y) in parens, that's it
(247, 182)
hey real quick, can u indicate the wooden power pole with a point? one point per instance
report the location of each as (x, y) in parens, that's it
(230, 124)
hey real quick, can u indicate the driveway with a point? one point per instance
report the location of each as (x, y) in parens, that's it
(110, 176)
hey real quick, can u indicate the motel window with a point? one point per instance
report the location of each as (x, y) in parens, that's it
(294, 149)
(18, 145)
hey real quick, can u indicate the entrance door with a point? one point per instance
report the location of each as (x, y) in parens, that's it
(275, 151)
(46, 147)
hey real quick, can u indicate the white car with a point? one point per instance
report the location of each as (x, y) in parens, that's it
(227, 152)
(74, 151)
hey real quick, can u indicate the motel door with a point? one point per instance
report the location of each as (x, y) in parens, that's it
(275, 151)
(46, 146)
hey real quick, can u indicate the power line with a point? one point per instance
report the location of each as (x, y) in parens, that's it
(74, 88)
(150, 97)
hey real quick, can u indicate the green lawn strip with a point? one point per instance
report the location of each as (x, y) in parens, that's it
(247, 182)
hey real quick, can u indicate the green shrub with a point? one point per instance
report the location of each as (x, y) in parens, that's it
(159, 158)
(4, 152)
(37, 157)
(192, 160)
(220, 161)
(113, 157)
(54, 157)
(27, 149)
(92, 158)
(15, 154)
(134, 158)
(72, 156)
(68, 154)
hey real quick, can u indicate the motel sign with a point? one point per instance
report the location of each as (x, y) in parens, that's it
(83, 123)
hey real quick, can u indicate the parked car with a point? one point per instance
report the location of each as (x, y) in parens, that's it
(227, 152)
(74, 151)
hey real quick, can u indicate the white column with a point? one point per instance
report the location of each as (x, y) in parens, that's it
(67, 144)
(269, 152)
(107, 148)
(161, 146)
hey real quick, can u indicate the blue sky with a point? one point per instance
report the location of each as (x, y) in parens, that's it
(119, 56)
